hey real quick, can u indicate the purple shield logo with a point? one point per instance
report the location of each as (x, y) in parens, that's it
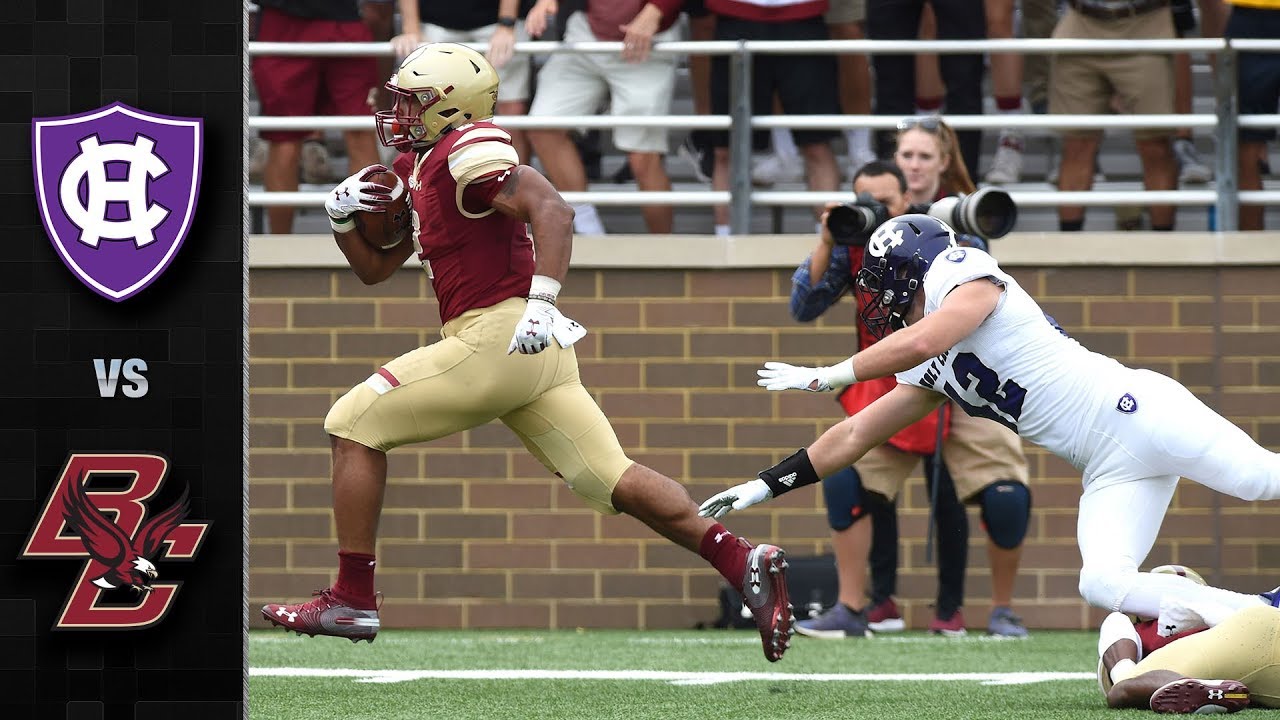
(117, 191)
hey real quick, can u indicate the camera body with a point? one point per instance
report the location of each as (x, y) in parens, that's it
(852, 223)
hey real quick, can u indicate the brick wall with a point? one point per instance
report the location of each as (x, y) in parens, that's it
(476, 535)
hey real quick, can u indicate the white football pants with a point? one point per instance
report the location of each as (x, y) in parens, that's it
(1133, 466)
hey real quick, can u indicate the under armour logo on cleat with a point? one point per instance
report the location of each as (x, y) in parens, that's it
(290, 616)
(720, 535)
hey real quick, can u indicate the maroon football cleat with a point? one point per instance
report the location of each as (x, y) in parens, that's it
(325, 615)
(1189, 696)
(764, 591)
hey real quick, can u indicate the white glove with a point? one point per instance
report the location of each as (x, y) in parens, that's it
(781, 376)
(357, 193)
(542, 321)
(738, 497)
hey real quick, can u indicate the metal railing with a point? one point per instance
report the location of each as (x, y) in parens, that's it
(1225, 121)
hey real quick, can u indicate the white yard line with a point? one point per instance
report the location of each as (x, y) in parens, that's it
(673, 677)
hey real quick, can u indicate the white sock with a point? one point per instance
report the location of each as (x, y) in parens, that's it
(859, 142)
(1116, 627)
(1122, 670)
(784, 145)
(1011, 136)
(722, 230)
(586, 221)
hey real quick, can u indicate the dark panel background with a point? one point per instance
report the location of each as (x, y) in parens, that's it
(60, 57)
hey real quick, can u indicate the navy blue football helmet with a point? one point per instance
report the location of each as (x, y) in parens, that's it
(896, 258)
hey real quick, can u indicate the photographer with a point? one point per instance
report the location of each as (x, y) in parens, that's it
(988, 459)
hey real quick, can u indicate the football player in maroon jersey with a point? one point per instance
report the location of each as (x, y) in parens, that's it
(506, 353)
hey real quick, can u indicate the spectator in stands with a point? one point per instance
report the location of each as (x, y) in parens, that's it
(1258, 80)
(928, 152)
(1006, 87)
(1133, 83)
(311, 85)
(846, 20)
(637, 82)
(1038, 20)
(962, 74)
(804, 84)
(496, 23)
(1191, 169)
(696, 148)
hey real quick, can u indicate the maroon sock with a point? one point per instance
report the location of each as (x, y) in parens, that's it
(1008, 103)
(355, 580)
(726, 552)
(929, 104)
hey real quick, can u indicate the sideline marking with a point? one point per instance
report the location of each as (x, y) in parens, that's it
(673, 677)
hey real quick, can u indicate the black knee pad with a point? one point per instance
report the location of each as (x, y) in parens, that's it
(1006, 511)
(843, 493)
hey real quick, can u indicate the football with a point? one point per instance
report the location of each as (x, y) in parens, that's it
(386, 230)
(1182, 570)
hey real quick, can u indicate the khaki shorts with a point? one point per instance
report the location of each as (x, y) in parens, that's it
(1087, 84)
(843, 12)
(977, 451)
(514, 78)
(580, 84)
(468, 379)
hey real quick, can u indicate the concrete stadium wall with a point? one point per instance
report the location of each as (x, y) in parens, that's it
(475, 534)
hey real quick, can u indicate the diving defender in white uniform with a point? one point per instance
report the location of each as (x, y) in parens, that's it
(966, 331)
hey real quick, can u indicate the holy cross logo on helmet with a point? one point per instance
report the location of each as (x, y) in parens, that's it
(886, 237)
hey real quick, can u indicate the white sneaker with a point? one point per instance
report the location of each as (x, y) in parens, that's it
(315, 163)
(1006, 166)
(1191, 169)
(257, 159)
(774, 169)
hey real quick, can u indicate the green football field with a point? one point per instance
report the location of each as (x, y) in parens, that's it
(690, 675)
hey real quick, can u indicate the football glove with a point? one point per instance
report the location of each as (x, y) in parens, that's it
(542, 323)
(781, 376)
(357, 193)
(738, 497)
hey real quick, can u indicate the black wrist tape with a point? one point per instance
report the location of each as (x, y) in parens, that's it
(793, 472)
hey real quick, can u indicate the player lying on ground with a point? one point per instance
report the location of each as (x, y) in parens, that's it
(967, 331)
(1159, 663)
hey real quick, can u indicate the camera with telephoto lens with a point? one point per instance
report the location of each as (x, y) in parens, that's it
(852, 223)
(988, 213)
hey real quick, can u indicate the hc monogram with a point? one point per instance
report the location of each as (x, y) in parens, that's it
(91, 216)
(118, 537)
(120, 175)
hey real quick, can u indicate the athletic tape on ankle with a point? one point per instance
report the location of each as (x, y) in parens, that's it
(793, 472)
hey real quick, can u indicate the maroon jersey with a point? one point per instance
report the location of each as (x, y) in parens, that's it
(1152, 640)
(475, 255)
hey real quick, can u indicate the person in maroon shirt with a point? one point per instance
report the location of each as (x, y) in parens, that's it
(470, 200)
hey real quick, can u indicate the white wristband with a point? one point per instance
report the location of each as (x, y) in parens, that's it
(841, 374)
(544, 288)
(344, 225)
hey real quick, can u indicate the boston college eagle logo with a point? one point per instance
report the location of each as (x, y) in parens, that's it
(120, 551)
